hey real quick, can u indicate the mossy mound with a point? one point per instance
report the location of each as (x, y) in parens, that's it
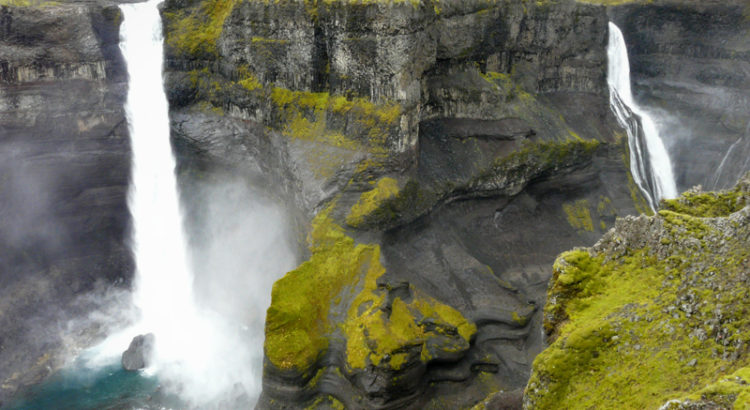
(653, 312)
(707, 204)
(297, 325)
(379, 329)
(28, 3)
(391, 333)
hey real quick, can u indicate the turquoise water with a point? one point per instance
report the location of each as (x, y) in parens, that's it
(107, 387)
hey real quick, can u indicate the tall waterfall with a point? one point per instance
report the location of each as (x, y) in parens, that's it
(163, 281)
(201, 355)
(649, 160)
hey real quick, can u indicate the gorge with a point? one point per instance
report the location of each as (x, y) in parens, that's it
(392, 180)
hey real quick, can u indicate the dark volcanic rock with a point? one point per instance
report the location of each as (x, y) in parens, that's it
(138, 355)
(64, 169)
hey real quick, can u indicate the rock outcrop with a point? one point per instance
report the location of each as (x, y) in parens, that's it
(138, 355)
(440, 154)
(64, 169)
(654, 314)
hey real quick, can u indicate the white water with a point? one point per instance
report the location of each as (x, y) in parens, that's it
(203, 356)
(653, 176)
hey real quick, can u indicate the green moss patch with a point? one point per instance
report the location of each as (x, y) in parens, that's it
(193, 32)
(579, 216)
(382, 335)
(369, 201)
(297, 323)
(28, 3)
(707, 204)
(534, 159)
(653, 312)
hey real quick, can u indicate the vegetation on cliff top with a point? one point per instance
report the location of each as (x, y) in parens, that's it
(655, 311)
(28, 3)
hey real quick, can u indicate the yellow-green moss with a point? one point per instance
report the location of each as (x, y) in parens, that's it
(297, 320)
(532, 158)
(613, 2)
(578, 215)
(369, 201)
(706, 204)
(327, 402)
(623, 336)
(28, 3)
(372, 335)
(731, 391)
(195, 31)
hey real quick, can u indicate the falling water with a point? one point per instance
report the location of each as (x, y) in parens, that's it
(163, 287)
(650, 163)
(203, 356)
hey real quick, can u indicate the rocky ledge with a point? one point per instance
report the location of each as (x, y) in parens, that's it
(654, 314)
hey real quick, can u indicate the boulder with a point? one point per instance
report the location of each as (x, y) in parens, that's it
(138, 355)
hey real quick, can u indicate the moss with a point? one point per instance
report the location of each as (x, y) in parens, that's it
(326, 402)
(369, 201)
(297, 320)
(613, 2)
(380, 336)
(298, 327)
(406, 205)
(731, 391)
(578, 215)
(633, 326)
(195, 31)
(535, 158)
(707, 204)
(28, 3)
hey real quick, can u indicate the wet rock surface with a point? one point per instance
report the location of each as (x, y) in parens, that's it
(138, 355)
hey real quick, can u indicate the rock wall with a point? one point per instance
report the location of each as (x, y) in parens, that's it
(440, 154)
(64, 169)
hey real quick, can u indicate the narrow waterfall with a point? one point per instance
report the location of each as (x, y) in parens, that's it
(205, 303)
(649, 159)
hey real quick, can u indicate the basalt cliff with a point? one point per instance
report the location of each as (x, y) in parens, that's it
(435, 158)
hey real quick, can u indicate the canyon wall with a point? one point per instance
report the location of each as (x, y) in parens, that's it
(64, 169)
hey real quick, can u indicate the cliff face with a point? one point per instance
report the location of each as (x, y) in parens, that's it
(689, 63)
(653, 314)
(438, 155)
(64, 166)
(445, 152)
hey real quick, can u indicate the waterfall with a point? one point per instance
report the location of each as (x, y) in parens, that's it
(201, 355)
(163, 280)
(649, 160)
